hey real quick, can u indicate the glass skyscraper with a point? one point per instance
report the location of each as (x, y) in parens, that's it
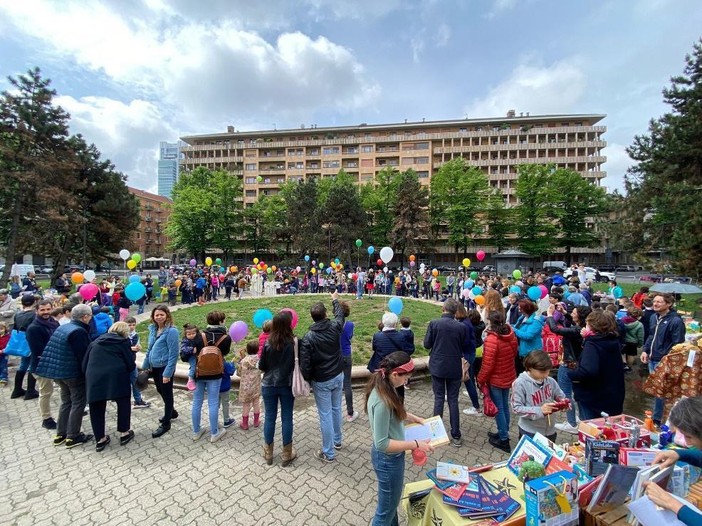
(168, 167)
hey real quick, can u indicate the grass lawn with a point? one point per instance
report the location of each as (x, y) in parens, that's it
(365, 314)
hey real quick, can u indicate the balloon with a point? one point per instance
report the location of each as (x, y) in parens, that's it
(178, 283)
(255, 260)
(260, 316)
(412, 263)
(208, 261)
(480, 299)
(380, 262)
(385, 269)
(89, 275)
(134, 278)
(517, 274)
(329, 270)
(136, 257)
(351, 276)
(295, 317)
(238, 331)
(274, 268)
(218, 261)
(307, 258)
(88, 291)
(124, 254)
(236, 269)
(467, 284)
(474, 275)
(77, 278)
(371, 249)
(193, 262)
(313, 270)
(359, 243)
(131, 264)
(466, 262)
(135, 291)
(471, 283)
(515, 289)
(337, 261)
(480, 255)
(395, 305)
(314, 262)
(412, 257)
(386, 254)
(435, 272)
(465, 293)
(477, 291)
(321, 265)
(534, 293)
(298, 268)
(259, 179)
(544, 291)
(269, 270)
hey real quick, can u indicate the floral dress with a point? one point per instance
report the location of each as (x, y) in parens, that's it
(250, 385)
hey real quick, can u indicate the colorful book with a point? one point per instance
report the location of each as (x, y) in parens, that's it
(440, 484)
(432, 428)
(528, 449)
(506, 505)
(452, 472)
(599, 454)
(615, 486)
(471, 498)
(630, 456)
(588, 490)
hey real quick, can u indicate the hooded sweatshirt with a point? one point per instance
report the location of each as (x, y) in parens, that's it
(528, 395)
(634, 331)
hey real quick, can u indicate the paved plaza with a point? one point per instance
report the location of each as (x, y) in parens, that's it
(173, 480)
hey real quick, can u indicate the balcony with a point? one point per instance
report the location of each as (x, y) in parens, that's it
(147, 219)
(148, 229)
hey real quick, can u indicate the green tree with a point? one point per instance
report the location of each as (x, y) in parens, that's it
(379, 198)
(666, 182)
(301, 215)
(499, 221)
(273, 210)
(534, 216)
(411, 213)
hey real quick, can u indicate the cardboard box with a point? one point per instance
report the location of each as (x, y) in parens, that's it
(552, 500)
(592, 429)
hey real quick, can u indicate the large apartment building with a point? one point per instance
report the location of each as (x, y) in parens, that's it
(267, 158)
(149, 239)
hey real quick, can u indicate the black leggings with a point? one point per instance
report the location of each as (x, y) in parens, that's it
(166, 392)
(97, 416)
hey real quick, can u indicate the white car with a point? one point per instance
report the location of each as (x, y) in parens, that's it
(591, 275)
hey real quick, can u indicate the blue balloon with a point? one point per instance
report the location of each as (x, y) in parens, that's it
(329, 270)
(134, 278)
(534, 293)
(307, 258)
(371, 249)
(260, 316)
(515, 289)
(477, 291)
(135, 291)
(395, 305)
(468, 284)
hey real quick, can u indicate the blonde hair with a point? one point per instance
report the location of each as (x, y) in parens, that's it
(121, 328)
(3, 325)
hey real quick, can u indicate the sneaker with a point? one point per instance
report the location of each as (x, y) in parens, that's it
(351, 418)
(456, 442)
(567, 428)
(338, 446)
(78, 441)
(229, 423)
(48, 423)
(220, 434)
(59, 439)
(319, 454)
(3, 383)
(472, 411)
(500, 444)
(197, 435)
(140, 404)
(190, 385)
(493, 435)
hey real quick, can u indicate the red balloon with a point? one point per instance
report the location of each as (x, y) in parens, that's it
(480, 255)
(380, 262)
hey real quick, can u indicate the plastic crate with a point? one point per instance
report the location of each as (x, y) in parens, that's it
(619, 425)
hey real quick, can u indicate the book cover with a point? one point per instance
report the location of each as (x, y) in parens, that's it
(557, 450)
(581, 473)
(528, 449)
(432, 428)
(637, 490)
(505, 504)
(615, 486)
(587, 491)
(600, 453)
(470, 498)
(454, 491)
(662, 477)
(452, 472)
(440, 484)
(636, 456)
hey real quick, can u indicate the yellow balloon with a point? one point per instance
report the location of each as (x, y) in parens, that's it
(131, 264)
(273, 268)
(208, 261)
(313, 270)
(435, 272)
(466, 262)
(255, 261)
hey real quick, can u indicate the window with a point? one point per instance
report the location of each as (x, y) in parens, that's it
(330, 164)
(330, 150)
(250, 180)
(367, 149)
(250, 193)
(313, 151)
(251, 166)
(422, 146)
(421, 160)
(407, 160)
(423, 174)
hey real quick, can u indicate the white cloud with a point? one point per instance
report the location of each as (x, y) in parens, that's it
(443, 35)
(618, 161)
(500, 6)
(556, 88)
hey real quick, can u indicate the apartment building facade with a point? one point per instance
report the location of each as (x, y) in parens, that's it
(149, 239)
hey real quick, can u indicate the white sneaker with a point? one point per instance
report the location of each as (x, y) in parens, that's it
(472, 411)
(567, 428)
(220, 434)
(351, 418)
(197, 435)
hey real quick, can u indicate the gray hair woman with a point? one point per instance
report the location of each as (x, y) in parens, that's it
(387, 341)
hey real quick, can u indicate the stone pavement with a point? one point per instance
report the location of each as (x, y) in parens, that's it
(175, 481)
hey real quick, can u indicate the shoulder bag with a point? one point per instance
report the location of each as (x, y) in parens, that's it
(300, 386)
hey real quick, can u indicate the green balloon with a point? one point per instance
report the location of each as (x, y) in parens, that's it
(218, 261)
(269, 270)
(359, 243)
(321, 265)
(136, 257)
(474, 275)
(517, 274)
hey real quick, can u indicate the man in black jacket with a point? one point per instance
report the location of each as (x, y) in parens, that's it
(38, 334)
(321, 364)
(445, 338)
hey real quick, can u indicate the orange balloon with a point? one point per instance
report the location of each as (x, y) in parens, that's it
(273, 268)
(236, 269)
(77, 278)
(412, 257)
(232, 269)
(480, 300)
(434, 272)
(178, 283)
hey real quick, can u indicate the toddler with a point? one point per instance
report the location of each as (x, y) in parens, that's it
(4, 338)
(266, 331)
(172, 293)
(139, 402)
(535, 395)
(164, 293)
(250, 385)
(224, 388)
(188, 346)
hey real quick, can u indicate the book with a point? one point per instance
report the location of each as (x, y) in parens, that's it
(454, 491)
(452, 472)
(506, 505)
(615, 486)
(470, 498)
(648, 514)
(587, 491)
(440, 484)
(432, 428)
(637, 490)
(557, 450)
(527, 449)
(600, 453)
(663, 477)
(630, 456)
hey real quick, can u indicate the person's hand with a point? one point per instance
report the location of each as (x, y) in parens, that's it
(644, 357)
(166, 380)
(425, 445)
(334, 295)
(666, 458)
(412, 419)
(662, 498)
(551, 309)
(548, 408)
(138, 347)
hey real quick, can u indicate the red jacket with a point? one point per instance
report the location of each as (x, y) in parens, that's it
(3, 341)
(499, 353)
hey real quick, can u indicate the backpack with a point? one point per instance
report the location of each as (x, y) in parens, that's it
(552, 344)
(210, 361)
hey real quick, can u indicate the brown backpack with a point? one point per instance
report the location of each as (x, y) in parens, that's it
(210, 361)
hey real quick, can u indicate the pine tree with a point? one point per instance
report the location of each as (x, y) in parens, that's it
(411, 213)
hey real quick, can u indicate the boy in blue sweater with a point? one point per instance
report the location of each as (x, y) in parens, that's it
(139, 402)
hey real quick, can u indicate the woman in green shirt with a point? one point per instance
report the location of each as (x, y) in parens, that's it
(386, 414)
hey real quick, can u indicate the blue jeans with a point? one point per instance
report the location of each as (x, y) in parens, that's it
(587, 413)
(390, 470)
(327, 396)
(448, 387)
(501, 399)
(271, 396)
(3, 367)
(359, 290)
(658, 403)
(566, 385)
(135, 392)
(212, 387)
(470, 384)
(24, 363)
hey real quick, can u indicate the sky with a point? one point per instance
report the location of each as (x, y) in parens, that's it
(133, 73)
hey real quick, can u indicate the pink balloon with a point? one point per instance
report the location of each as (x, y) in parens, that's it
(480, 255)
(88, 291)
(298, 269)
(412, 263)
(295, 317)
(544, 291)
(465, 293)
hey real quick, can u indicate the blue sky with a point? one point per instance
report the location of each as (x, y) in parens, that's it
(135, 72)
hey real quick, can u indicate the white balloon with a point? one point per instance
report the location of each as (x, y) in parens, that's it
(89, 275)
(350, 275)
(386, 254)
(124, 254)
(385, 269)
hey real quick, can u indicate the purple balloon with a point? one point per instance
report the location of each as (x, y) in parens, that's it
(238, 331)
(193, 262)
(412, 263)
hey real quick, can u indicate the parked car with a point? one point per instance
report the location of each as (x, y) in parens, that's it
(489, 268)
(591, 275)
(45, 269)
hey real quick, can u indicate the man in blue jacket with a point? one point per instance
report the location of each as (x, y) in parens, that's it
(38, 334)
(445, 339)
(666, 329)
(62, 360)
